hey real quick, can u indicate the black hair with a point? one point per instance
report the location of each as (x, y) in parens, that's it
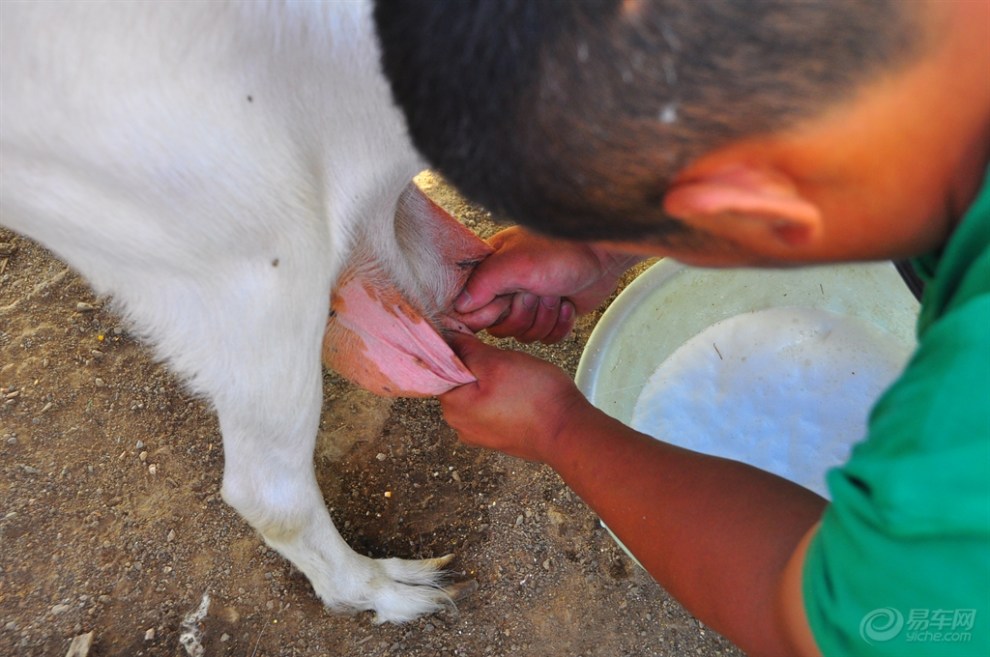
(571, 117)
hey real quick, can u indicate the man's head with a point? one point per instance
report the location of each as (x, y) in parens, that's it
(584, 119)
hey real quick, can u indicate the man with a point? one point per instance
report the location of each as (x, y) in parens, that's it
(763, 133)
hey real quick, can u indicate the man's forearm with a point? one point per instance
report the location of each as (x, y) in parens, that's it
(715, 533)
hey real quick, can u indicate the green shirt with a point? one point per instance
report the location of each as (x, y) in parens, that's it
(901, 563)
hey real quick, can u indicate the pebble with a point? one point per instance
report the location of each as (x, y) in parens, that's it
(171, 535)
(60, 609)
(83, 307)
(80, 645)
(150, 634)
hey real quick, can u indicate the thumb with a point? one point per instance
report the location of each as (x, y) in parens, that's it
(476, 355)
(466, 346)
(493, 277)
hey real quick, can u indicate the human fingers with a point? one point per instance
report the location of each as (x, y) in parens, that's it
(564, 324)
(519, 263)
(487, 315)
(474, 353)
(544, 319)
(531, 318)
(520, 317)
(496, 275)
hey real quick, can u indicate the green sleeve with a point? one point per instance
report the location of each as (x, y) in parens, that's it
(901, 562)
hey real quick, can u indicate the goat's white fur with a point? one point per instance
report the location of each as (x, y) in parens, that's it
(209, 165)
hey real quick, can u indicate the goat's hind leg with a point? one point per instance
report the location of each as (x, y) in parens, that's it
(256, 356)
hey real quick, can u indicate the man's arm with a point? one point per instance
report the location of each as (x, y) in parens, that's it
(717, 534)
(790, 600)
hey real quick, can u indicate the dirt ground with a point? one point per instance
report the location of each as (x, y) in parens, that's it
(112, 522)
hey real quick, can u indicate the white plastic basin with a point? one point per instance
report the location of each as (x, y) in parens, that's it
(670, 303)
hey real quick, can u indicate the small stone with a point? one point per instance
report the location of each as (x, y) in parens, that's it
(139, 445)
(224, 638)
(171, 535)
(150, 634)
(60, 609)
(143, 456)
(380, 456)
(83, 307)
(80, 645)
(152, 469)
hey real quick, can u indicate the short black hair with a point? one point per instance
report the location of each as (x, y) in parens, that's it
(572, 117)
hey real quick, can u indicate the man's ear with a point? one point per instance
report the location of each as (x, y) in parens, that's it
(745, 203)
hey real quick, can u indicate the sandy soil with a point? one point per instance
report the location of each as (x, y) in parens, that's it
(112, 522)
